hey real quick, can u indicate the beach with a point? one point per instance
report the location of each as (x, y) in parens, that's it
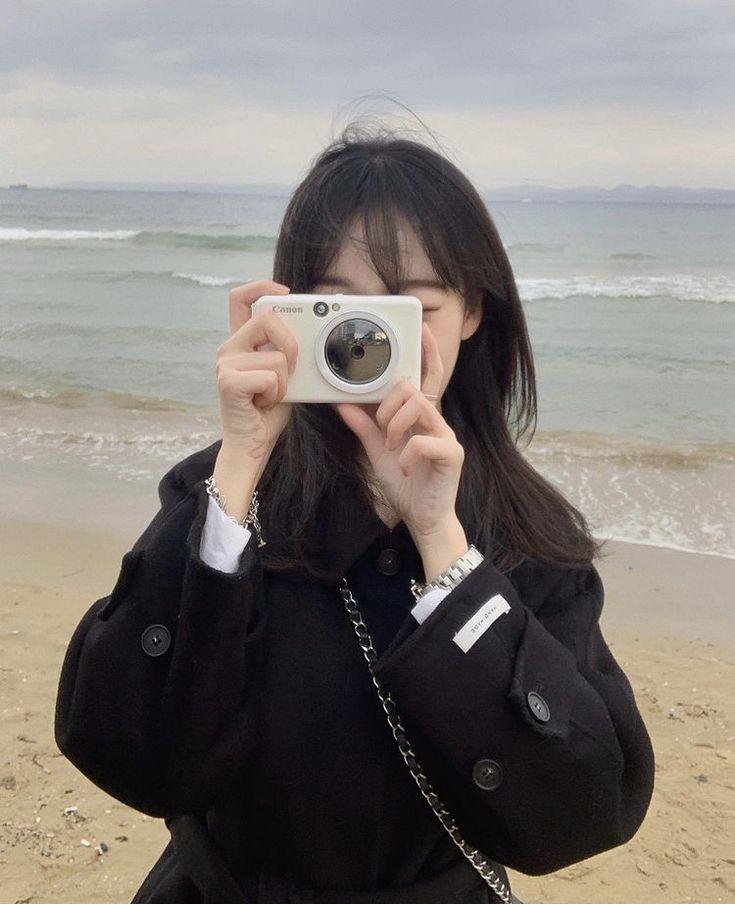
(668, 619)
(112, 307)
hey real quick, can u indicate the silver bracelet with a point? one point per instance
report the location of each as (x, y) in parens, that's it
(452, 576)
(250, 518)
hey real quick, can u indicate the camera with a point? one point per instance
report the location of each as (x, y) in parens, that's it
(352, 348)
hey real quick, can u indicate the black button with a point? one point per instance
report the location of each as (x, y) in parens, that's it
(539, 707)
(155, 640)
(487, 775)
(388, 562)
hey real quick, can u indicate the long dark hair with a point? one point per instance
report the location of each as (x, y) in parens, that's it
(314, 476)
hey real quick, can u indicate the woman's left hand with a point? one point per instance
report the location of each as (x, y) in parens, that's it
(416, 457)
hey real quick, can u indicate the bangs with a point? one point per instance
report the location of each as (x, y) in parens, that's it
(380, 193)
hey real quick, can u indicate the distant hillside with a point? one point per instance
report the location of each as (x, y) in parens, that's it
(626, 194)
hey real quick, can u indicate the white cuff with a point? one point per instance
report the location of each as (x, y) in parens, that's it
(426, 605)
(222, 540)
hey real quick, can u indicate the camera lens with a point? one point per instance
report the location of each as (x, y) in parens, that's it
(358, 351)
(321, 308)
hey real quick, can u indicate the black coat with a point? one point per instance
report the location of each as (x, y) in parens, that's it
(247, 718)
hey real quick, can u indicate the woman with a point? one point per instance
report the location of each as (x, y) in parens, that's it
(221, 686)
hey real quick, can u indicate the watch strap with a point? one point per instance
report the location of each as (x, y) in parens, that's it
(451, 576)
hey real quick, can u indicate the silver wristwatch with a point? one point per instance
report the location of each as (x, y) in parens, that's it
(449, 579)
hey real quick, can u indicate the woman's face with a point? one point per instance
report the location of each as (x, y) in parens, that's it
(352, 273)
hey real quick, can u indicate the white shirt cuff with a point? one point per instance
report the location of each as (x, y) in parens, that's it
(426, 605)
(222, 540)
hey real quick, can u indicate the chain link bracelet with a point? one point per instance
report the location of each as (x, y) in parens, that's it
(250, 518)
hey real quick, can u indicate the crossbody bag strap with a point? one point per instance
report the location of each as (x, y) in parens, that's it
(481, 863)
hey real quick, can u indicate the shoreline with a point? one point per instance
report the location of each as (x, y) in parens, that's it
(696, 552)
(685, 506)
(676, 645)
(63, 453)
(688, 592)
(650, 592)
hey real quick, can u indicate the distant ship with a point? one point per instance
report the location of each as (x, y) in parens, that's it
(19, 185)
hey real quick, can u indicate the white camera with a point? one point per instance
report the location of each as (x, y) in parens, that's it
(352, 348)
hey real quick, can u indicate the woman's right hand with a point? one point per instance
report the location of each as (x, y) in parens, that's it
(251, 381)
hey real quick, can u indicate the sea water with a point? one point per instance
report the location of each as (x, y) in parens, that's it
(113, 304)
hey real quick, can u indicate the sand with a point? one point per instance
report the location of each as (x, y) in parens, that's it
(669, 620)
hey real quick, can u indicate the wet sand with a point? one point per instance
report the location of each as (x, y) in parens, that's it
(668, 618)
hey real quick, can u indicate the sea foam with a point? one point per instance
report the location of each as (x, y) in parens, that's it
(679, 287)
(64, 235)
(203, 279)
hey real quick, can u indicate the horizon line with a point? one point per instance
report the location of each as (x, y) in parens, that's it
(159, 185)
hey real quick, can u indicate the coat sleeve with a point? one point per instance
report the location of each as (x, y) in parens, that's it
(153, 691)
(532, 737)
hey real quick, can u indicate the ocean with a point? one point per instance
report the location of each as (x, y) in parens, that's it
(113, 303)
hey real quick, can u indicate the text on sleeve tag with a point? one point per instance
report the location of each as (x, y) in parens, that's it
(479, 623)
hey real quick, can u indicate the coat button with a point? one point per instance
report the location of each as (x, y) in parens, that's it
(539, 707)
(487, 775)
(155, 640)
(388, 561)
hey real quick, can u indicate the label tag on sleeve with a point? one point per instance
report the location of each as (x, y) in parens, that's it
(481, 621)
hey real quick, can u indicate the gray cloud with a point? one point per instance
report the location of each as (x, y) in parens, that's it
(566, 92)
(668, 53)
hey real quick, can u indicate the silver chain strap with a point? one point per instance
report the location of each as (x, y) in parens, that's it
(478, 860)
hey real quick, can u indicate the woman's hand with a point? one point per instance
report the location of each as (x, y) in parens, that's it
(253, 369)
(416, 457)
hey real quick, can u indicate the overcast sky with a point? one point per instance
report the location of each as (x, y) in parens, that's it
(572, 92)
